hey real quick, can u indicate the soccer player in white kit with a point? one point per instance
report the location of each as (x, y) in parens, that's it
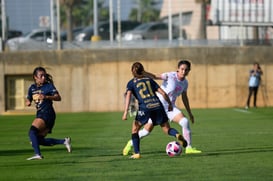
(174, 84)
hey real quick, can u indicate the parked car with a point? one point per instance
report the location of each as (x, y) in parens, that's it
(12, 33)
(152, 30)
(36, 35)
(75, 32)
(104, 30)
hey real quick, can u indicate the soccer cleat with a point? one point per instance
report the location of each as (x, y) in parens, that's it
(35, 157)
(181, 140)
(135, 156)
(127, 148)
(190, 150)
(67, 143)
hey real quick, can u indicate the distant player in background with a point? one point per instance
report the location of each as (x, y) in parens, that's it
(174, 84)
(254, 83)
(43, 93)
(144, 90)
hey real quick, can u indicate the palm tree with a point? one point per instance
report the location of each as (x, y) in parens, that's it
(145, 11)
(68, 6)
(80, 13)
(83, 13)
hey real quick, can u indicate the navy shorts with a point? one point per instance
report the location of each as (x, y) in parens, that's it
(158, 116)
(48, 116)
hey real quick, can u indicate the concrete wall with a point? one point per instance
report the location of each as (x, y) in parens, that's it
(95, 80)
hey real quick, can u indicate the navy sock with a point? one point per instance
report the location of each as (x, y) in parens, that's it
(135, 139)
(173, 132)
(33, 136)
(50, 141)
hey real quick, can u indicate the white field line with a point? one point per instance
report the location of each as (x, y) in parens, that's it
(242, 110)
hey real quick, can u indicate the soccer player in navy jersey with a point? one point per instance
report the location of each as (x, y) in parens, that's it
(43, 93)
(144, 89)
(174, 84)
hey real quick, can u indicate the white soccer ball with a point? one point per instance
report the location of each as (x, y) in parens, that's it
(173, 148)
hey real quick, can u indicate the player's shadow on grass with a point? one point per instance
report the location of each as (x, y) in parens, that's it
(231, 151)
(29, 151)
(15, 152)
(83, 152)
(78, 151)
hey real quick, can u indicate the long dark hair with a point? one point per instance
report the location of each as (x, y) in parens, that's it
(137, 69)
(49, 78)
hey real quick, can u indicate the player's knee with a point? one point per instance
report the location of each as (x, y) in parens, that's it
(142, 133)
(149, 127)
(184, 122)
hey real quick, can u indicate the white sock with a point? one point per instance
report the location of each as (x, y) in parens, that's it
(184, 123)
(142, 133)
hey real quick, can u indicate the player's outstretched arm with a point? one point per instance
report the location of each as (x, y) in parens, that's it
(186, 103)
(166, 97)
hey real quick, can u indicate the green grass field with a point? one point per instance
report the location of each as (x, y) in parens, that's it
(236, 145)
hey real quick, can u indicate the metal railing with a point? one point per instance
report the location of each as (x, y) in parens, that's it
(65, 45)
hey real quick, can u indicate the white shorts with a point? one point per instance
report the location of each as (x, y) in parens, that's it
(170, 114)
(173, 113)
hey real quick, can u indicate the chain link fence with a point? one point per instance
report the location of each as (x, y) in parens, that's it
(48, 25)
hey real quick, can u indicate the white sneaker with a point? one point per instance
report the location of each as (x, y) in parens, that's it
(67, 144)
(36, 157)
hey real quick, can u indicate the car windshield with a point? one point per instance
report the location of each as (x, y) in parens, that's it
(26, 34)
(89, 28)
(142, 27)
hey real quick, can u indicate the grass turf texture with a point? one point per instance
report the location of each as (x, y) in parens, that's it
(236, 145)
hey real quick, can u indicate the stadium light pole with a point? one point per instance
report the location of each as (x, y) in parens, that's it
(95, 17)
(119, 19)
(170, 19)
(58, 26)
(111, 20)
(52, 19)
(241, 26)
(139, 11)
(181, 24)
(3, 17)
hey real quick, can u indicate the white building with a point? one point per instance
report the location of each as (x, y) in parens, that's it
(224, 16)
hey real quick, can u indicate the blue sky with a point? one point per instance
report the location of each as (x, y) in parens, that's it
(24, 14)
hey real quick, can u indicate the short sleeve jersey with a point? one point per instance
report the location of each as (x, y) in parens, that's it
(144, 89)
(47, 89)
(172, 86)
